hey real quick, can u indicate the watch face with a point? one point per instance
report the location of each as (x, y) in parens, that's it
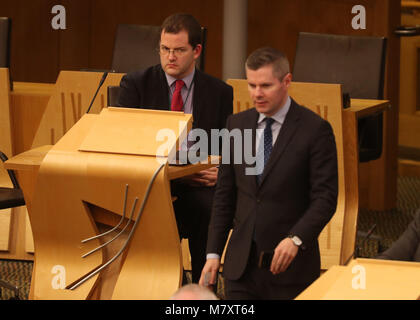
(297, 241)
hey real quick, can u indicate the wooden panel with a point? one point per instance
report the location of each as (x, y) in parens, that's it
(74, 42)
(5, 129)
(112, 135)
(409, 120)
(21, 239)
(186, 256)
(277, 22)
(409, 130)
(72, 95)
(29, 240)
(34, 43)
(28, 104)
(5, 147)
(5, 225)
(39, 52)
(17, 237)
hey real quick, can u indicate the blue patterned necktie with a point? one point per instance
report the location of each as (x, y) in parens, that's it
(268, 143)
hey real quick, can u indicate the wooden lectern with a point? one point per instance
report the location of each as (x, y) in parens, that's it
(88, 183)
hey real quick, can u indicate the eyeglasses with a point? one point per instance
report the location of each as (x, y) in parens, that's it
(178, 52)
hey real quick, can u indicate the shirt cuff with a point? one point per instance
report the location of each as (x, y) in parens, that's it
(212, 256)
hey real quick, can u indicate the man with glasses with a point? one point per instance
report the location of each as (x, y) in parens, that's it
(175, 84)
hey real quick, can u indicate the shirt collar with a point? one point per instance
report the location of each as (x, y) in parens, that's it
(187, 79)
(280, 115)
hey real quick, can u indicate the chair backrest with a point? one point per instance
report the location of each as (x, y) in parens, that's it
(337, 240)
(358, 63)
(135, 47)
(5, 28)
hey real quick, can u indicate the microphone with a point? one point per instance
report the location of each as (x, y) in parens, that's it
(356, 250)
(97, 90)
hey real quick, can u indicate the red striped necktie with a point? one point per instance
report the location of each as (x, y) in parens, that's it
(177, 104)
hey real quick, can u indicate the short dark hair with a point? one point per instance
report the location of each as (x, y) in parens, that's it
(269, 56)
(183, 21)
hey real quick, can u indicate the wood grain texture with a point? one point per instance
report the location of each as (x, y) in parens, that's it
(337, 283)
(74, 189)
(6, 148)
(28, 104)
(70, 100)
(39, 52)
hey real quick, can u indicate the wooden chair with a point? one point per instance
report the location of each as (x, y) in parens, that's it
(337, 240)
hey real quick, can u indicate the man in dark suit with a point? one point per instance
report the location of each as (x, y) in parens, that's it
(283, 209)
(175, 84)
(407, 247)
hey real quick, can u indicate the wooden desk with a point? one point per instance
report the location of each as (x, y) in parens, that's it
(56, 246)
(368, 107)
(367, 279)
(30, 161)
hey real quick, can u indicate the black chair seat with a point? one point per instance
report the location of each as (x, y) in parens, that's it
(10, 197)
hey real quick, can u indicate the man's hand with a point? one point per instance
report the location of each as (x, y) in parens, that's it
(209, 272)
(207, 178)
(284, 254)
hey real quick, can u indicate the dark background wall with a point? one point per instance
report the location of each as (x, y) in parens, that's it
(39, 52)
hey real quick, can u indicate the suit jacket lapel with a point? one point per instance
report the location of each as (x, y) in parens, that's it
(286, 133)
(163, 91)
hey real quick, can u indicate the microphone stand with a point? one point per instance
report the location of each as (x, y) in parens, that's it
(97, 90)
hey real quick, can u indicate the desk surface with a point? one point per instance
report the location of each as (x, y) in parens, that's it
(383, 280)
(368, 107)
(32, 159)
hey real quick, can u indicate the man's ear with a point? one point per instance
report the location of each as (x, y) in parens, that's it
(287, 79)
(197, 50)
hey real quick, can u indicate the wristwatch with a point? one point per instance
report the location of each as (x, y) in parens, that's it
(296, 240)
